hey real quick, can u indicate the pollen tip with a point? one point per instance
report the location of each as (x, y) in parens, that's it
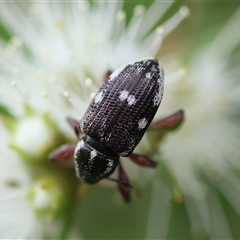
(92, 95)
(184, 11)
(139, 10)
(16, 41)
(85, 5)
(44, 95)
(16, 70)
(88, 82)
(41, 74)
(86, 63)
(120, 15)
(13, 83)
(160, 30)
(182, 71)
(59, 24)
(66, 94)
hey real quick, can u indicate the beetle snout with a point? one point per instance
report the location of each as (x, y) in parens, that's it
(89, 179)
(92, 165)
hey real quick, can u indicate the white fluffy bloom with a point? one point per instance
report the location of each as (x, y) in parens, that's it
(210, 96)
(54, 62)
(58, 50)
(206, 148)
(14, 185)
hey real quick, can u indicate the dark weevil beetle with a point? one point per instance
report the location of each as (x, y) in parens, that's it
(115, 122)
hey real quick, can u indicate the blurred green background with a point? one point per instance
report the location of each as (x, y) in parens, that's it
(205, 20)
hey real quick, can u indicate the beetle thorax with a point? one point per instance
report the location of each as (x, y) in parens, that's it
(94, 160)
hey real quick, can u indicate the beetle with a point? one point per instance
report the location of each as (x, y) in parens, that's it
(115, 122)
(117, 118)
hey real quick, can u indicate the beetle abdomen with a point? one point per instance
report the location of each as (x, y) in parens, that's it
(125, 105)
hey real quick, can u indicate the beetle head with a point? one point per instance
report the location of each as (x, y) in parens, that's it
(94, 160)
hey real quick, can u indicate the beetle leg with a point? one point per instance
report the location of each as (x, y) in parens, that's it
(124, 190)
(75, 125)
(106, 76)
(143, 160)
(169, 122)
(63, 155)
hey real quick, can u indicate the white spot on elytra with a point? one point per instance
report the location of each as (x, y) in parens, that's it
(148, 75)
(123, 95)
(142, 123)
(81, 125)
(153, 69)
(158, 97)
(131, 100)
(138, 70)
(93, 154)
(99, 97)
(110, 163)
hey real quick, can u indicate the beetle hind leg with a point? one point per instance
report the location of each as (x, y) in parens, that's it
(168, 123)
(143, 160)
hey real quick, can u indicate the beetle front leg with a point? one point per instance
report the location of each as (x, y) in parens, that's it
(143, 160)
(63, 155)
(105, 77)
(75, 125)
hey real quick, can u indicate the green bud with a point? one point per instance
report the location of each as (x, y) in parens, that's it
(49, 196)
(34, 136)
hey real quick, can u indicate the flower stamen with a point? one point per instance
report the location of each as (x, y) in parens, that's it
(139, 10)
(92, 95)
(176, 19)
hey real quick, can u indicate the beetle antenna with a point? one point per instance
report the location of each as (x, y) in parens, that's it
(125, 184)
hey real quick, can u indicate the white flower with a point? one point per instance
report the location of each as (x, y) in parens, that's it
(69, 49)
(53, 64)
(14, 185)
(204, 155)
(209, 95)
